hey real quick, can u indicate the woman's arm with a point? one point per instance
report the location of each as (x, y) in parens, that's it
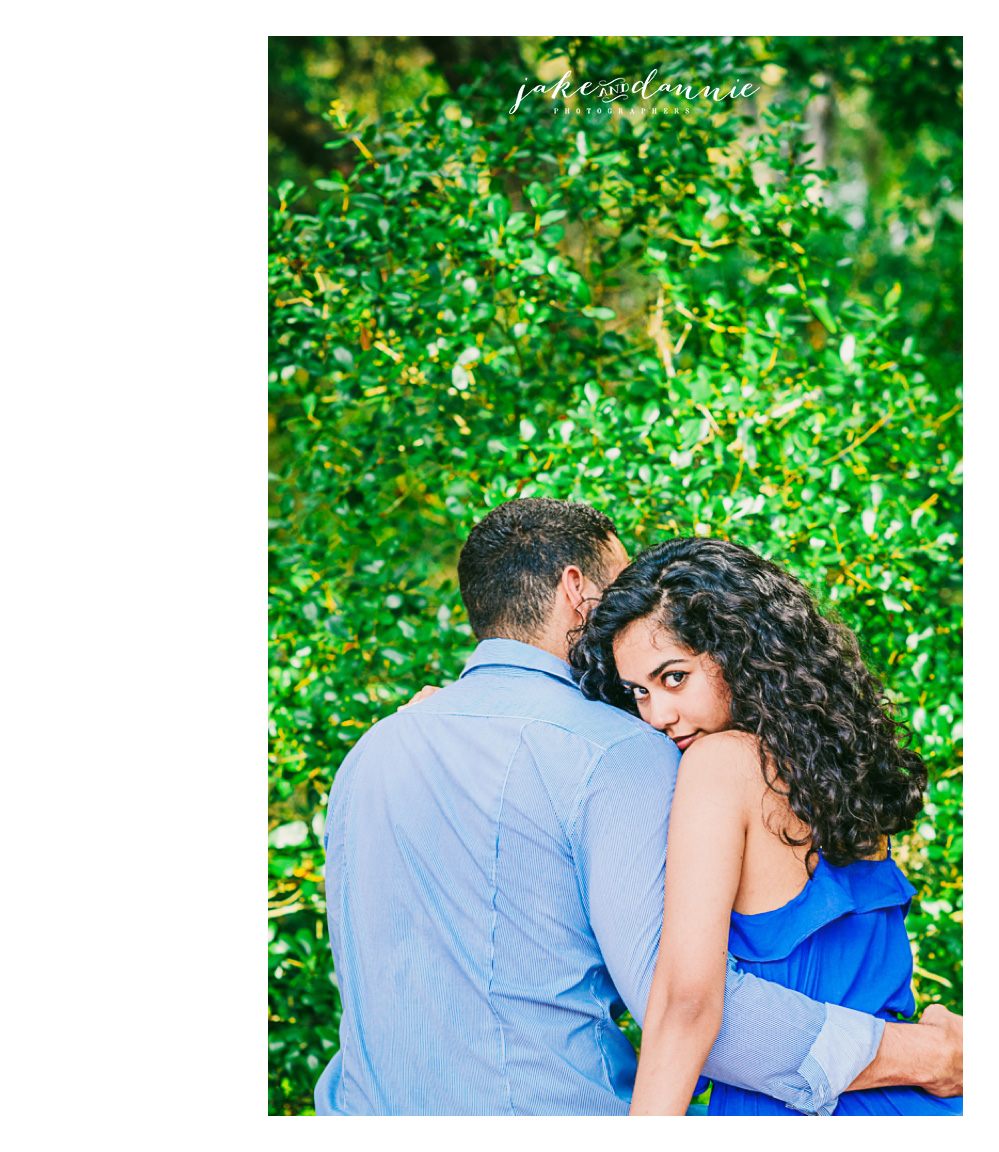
(706, 842)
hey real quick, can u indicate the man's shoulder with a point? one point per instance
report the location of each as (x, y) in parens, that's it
(599, 723)
(544, 701)
(538, 707)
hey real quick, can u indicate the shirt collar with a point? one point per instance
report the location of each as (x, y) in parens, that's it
(514, 654)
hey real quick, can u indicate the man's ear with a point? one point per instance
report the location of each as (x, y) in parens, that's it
(573, 584)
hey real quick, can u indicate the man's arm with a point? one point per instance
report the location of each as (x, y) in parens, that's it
(772, 1039)
(782, 1043)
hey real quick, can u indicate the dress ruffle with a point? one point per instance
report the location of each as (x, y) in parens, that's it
(863, 886)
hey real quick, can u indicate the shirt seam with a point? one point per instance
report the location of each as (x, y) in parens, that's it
(589, 741)
(590, 770)
(601, 1025)
(495, 912)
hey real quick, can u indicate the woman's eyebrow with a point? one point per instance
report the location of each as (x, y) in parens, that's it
(657, 672)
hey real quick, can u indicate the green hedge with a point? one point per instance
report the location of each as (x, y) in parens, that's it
(659, 317)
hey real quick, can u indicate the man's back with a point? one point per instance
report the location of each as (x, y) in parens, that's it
(475, 939)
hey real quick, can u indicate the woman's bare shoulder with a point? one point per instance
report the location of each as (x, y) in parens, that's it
(731, 757)
(731, 744)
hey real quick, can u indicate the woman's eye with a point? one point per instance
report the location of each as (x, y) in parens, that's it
(638, 692)
(674, 679)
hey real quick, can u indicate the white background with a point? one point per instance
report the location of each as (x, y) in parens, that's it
(134, 462)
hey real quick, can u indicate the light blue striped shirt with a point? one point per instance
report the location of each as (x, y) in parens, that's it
(494, 877)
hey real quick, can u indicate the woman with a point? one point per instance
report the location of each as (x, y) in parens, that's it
(792, 780)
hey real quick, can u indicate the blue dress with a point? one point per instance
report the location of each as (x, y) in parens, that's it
(841, 940)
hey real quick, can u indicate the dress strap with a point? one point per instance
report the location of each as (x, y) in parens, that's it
(888, 838)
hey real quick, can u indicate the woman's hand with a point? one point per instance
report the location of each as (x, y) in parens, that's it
(424, 694)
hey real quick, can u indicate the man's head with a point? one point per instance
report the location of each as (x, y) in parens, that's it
(531, 567)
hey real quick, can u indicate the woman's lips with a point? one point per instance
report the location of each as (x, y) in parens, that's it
(684, 742)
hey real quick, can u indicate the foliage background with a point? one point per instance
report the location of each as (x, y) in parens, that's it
(741, 321)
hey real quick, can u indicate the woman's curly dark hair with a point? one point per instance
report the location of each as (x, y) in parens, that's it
(797, 681)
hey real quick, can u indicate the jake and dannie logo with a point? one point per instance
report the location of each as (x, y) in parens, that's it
(620, 89)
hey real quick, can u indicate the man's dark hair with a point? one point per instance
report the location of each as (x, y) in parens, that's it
(513, 559)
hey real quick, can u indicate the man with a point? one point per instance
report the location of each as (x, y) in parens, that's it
(494, 879)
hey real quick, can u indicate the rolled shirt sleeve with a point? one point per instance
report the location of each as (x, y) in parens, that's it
(779, 1042)
(772, 1039)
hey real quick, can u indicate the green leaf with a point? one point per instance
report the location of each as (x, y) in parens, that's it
(289, 835)
(498, 206)
(537, 194)
(821, 311)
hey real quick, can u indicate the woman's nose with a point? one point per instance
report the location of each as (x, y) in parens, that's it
(662, 714)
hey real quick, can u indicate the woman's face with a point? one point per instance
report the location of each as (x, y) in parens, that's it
(681, 694)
